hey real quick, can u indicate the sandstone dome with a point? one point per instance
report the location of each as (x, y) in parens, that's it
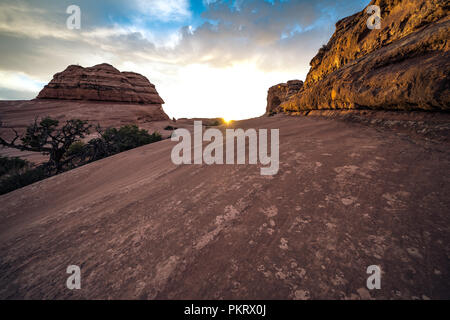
(102, 82)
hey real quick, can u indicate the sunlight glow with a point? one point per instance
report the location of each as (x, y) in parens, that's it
(234, 92)
(227, 121)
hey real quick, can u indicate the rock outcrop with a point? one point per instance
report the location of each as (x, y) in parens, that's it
(101, 95)
(402, 66)
(102, 82)
(281, 93)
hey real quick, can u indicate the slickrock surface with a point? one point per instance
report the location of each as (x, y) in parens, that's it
(402, 66)
(347, 196)
(102, 82)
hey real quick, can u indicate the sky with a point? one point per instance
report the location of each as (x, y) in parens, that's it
(207, 58)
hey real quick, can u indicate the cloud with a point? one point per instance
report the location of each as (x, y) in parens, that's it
(208, 2)
(166, 10)
(19, 82)
(233, 50)
(255, 31)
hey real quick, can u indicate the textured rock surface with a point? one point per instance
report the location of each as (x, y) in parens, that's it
(280, 93)
(353, 39)
(402, 66)
(102, 82)
(346, 197)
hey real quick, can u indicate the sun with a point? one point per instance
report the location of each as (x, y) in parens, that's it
(227, 121)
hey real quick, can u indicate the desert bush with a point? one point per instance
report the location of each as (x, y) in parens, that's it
(113, 141)
(214, 123)
(12, 165)
(75, 148)
(170, 128)
(128, 137)
(66, 149)
(22, 179)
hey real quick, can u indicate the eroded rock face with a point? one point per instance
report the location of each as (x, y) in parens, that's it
(281, 93)
(402, 66)
(102, 82)
(353, 39)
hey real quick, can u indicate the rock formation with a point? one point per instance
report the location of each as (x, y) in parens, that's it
(102, 82)
(281, 93)
(402, 66)
(101, 95)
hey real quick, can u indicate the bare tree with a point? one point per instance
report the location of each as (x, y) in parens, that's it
(45, 137)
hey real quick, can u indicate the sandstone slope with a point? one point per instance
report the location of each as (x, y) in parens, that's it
(346, 197)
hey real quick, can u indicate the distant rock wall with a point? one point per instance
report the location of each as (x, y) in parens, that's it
(102, 82)
(281, 93)
(402, 66)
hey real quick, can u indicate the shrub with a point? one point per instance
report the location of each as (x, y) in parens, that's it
(75, 148)
(128, 137)
(113, 141)
(66, 149)
(22, 179)
(12, 165)
(215, 123)
(170, 128)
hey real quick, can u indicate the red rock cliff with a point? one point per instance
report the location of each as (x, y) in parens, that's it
(281, 93)
(402, 66)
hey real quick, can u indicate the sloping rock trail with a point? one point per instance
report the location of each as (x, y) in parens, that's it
(347, 196)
